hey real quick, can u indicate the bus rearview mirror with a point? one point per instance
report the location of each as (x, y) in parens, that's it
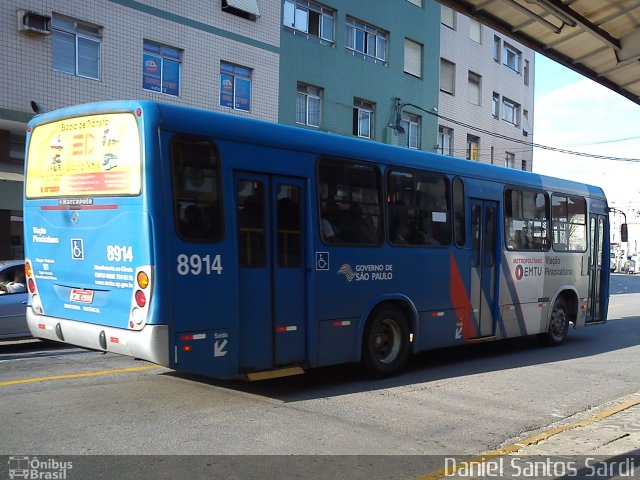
(624, 234)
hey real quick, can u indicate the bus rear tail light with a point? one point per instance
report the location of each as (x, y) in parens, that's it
(32, 288)
(141, 297)
(141, 300)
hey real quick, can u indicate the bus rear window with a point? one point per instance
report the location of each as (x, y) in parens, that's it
(196, 189)
(84, 156)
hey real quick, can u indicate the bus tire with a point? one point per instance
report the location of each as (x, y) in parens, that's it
(385, 343)
(558, 324)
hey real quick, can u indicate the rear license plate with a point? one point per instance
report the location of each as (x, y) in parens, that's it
(80, 295)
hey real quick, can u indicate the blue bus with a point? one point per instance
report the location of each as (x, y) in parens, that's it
(235, 248)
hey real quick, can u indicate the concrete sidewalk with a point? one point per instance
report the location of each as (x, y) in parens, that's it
(603, 443)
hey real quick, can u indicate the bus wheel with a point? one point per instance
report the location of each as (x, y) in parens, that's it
(385, 344)
(558, 324)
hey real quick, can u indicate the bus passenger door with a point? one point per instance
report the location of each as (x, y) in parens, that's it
(272, 293)
(596, 244)
(483, 264)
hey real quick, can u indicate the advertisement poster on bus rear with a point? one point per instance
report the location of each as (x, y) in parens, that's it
(85, 156)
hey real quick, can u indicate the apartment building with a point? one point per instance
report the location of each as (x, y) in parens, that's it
(486, 94)
(348, 65)
(218, 55)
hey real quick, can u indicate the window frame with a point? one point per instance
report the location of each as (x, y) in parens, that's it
(360, 107)
(79, 31)
(425, 175)
(511, 111)
(322, 203)
(545, 245)
(411, 123)
(370, 37)
(310, 6)
(307, 97)
(235, 71)
(181, 195)
(511, 57)
(569, 224)
(146, 52)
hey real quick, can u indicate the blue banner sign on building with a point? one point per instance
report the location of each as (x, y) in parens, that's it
(161, 69)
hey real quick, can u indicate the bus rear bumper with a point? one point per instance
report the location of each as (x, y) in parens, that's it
(151, 343)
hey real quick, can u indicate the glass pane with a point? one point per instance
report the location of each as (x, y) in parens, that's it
(64, 52)
(289, 14)
(489, 238)
(251, 227)
(475, 235)
(301, 108)
(364, 127)
(327, 28)
(170, 77)
(302, 19)
(359, 41)
(88, 58)
(314, 111)
(381, 48)
(458, 213)
(196, 191)
(289, 231)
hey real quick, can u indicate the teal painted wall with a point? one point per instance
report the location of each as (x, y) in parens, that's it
(344, 76)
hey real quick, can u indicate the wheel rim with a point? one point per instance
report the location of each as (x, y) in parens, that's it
(386, 341)
(558, 325)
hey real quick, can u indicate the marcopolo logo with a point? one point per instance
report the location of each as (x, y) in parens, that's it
(33, 468)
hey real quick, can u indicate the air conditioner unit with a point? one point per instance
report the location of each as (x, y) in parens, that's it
(33, 22)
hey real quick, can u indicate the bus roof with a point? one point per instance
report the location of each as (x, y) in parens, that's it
(260, 132)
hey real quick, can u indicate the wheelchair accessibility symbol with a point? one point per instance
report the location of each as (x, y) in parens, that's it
(322, 260)
(77, 249)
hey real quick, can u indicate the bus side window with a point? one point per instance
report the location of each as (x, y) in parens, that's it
(196, 189)
(349, 203)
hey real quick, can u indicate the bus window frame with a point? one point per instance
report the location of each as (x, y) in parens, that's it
(195, 139)
(506, 231)
(376, 168)
(447, 197)
(586, 221)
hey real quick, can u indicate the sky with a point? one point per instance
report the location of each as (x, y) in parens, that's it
(574, 113)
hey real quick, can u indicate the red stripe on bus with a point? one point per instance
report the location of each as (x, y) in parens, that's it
(460, 299)
(79, 207)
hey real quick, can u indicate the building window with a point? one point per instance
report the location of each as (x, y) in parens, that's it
(235, 86)
(363, 125)
(510, 160)
(447, 76)
(448, 17)
(445, 141)
(526, 72)
(367, 40)
(411, 125)
(475, 30)
(308, 105)
(510, 111)
(496, 48)
(511, 57)
(412, 58)
(310, 18)
(524, 165)
(76, 47)
(242, 8)
(473, 147)
(474, 88)
(161, 68)
(495, 105)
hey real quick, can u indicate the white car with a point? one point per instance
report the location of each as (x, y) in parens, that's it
(13, 306)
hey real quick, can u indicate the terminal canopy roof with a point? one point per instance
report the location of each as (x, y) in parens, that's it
(598, 38)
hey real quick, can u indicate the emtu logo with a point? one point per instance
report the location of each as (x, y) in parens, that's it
(519, 272)
(347, 271)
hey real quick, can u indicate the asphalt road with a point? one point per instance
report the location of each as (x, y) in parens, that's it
(460, 401)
